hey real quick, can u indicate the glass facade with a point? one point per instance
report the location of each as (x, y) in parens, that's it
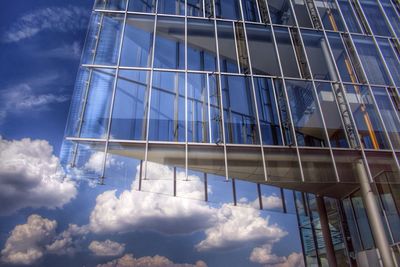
(292, 93)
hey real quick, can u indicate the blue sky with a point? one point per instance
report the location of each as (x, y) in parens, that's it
(48, 221)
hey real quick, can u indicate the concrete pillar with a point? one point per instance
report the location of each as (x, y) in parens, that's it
(374, 217)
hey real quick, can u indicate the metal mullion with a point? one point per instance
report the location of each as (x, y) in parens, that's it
(150, 92)
(220, 92)
(258, 12)
(254, 94)
(236, 47)
(186, 103)
(204, 8)
(98, 66)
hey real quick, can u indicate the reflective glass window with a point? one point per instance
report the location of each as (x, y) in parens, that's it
(392, 16)
(330, 15)
(366, 117)
(227, 47)
(372, 12)
(263, 56)
(239, 110)
(201, 47)
(330, 111)
(391, 59)
(250, 10)
(282, 164)
(110, 4)
(245, 163)
(302, 15)
(86, 154)
(317, 165)
(206, 158)
(109, 39)
(281, 12)
(191, 187)
(371, 61)
(138, 41)
(130, 105)
(173, 7)
(362, 221)
(203, 108)
(346, 164)
(341, 57)
(286, 52)
(170, 43)
(145, 6)
(321, 63)
(305, 114)
(194, 8)
(219, 190)
(284, 112)
(267, 112)
(349, 16)
(246, 194)
(352, 224)
(97, 107)
(389, 114)
(167, 115)
(227, 9)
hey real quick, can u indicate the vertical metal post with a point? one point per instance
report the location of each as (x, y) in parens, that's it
(374, 218)
(326, 233)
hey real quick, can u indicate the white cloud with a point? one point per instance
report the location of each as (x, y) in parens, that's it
(237, 226)
(264, 256)
(31, 176)
(157, 261)
(106, 248)
(69, 241)
(26, 242)
(21, 98)
(60, 19)
(65, 51)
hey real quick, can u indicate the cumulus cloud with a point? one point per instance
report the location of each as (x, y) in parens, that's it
(21, 98)
(59, 19)
(69, 241)
(264, 256)
(106, 248)
(26, 243)
(157, 261)
(31, 176)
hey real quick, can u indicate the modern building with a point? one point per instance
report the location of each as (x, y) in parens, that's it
(298, 94)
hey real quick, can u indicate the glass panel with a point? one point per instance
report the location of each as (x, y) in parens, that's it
(341, 58)
(282, 164)
(305, 114)
(97, 107)
(245, 163)
(130, 105)
(362, 221)
(349, 16)
(371, 60)
(317, 165)
(227, 47)
(206, 158)
(246, 194)
(76, 106)
(191, 188)
(194, 8)
(173, 7)
(271, 198)
(333, 120)
(110, 4)
(267, 112)
(303, 18)
(351, 222)
(167, 115)
(219, 190)
(346, 164)
(90, 45)
(392, 16)
(372, 12)
(262, 50)
(330, 15)
(321, 63)
(382, 166)
(170, 43)
(89, 161)
(202, 52)
(391, 59)
(145, 6)
(227, 9)
(138, 41)
(109, 39)
(123, 165)
(366, 118)
(286, 52)
(281, 12)
(239, 111)
(284, 112)
(250, 11)
(389, 115)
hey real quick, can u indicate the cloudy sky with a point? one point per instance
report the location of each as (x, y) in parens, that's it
(48, 218)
